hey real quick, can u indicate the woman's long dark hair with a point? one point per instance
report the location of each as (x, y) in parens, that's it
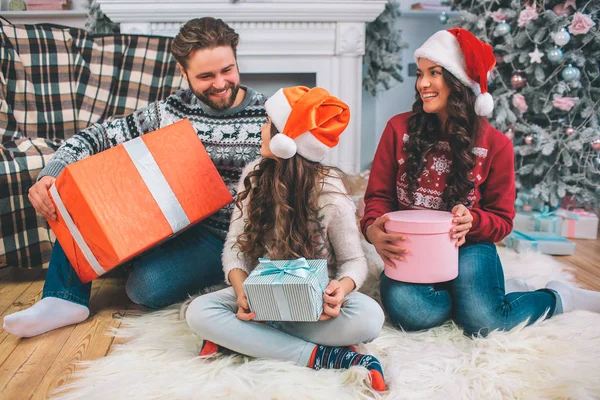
(424, 131)
(283, 208)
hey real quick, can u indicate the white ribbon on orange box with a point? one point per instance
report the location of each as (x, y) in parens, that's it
(157, 185)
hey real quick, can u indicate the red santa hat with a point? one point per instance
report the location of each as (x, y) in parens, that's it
(309, 121)
(467, 58)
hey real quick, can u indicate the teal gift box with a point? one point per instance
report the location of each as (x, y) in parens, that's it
(287, 290)
(544, 221)
(542, 242)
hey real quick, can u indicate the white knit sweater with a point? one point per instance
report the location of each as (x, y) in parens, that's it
(337, 232)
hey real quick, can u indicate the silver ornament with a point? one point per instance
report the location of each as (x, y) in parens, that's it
(502, 29)
(555, 55)
(443, 18)
(562, 37)
(570, 73)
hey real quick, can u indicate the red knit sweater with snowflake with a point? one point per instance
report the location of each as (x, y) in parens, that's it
(491, 202)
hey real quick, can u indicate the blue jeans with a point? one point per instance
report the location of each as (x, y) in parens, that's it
(475, 300)
(213, 317)
(166, 274)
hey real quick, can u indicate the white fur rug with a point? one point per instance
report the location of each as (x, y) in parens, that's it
(553, 359)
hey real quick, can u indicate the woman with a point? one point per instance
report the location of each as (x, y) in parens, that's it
(444, 156)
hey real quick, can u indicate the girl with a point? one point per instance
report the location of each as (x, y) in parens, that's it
(444, 156)
(289, 206)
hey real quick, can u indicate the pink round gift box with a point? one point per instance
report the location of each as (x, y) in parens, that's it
(432, 253)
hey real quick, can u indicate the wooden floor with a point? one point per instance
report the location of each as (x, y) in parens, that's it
(32, 368)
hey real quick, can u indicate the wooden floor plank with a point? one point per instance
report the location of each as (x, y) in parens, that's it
(89, 340)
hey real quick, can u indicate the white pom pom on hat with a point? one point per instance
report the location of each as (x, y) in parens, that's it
(283, 146)
(467, 58)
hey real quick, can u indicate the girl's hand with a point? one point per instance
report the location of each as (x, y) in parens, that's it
(243, 312)
(464, 222)
(332, 300)
(383, 241)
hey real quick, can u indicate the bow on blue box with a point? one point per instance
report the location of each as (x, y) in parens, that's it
(287, 290)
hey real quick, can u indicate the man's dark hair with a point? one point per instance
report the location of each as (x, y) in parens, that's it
(202, 33)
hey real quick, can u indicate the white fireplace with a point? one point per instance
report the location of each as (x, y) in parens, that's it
(323, 38)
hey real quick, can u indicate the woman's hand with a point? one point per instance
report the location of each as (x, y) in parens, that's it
(383, 241)
(332, 300)
(243, 312)
(464, 222)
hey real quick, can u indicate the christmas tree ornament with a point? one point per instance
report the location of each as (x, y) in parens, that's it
(536, 56)
(555, 55)
(528, 139)
(570, 73)
(502, 29)
(443, 18)
(527, 207)
(561, 9)
(562, 37)
(517, 81)
(510, 134)
(569, 131)
(596, 144)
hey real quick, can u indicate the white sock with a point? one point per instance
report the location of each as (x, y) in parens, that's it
(574, 298)
(518, 285)
(47, 314)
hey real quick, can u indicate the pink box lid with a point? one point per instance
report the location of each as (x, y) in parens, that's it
(419, 221)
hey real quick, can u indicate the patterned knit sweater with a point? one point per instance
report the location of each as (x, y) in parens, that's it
(491, 202)
(232, 138)
(337, 235)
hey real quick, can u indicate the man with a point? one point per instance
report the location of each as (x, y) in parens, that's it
(227, 117)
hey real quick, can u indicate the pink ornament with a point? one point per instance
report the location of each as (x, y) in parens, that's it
(581, 24)
(510, 134)
(527, 207)
(569, 131)
(565, 103)
(596, 144)
(519, 102)
(498, 16)
(560, 9)
(528, 139)
(517, 81)
(528, 14)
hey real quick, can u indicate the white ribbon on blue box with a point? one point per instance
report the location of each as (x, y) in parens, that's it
(287, 290)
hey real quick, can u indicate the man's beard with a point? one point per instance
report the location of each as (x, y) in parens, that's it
(220, 104)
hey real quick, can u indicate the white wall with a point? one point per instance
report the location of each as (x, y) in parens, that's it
(378, 110)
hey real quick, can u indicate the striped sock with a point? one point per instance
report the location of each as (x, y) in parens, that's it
(345, 358)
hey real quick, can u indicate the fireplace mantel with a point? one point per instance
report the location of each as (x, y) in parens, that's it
(324, 37)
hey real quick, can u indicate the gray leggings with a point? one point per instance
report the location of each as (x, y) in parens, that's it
(213, 317)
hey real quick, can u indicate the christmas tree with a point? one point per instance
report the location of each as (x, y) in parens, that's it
(546, 88)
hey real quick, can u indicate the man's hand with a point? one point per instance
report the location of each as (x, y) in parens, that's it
(38, 196)
(243, 312)
(332, 300)
(464, 221)
(383, 241)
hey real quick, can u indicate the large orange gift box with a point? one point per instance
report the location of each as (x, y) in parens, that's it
(120, 202)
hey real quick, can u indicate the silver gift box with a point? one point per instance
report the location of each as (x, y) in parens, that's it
(275, 294)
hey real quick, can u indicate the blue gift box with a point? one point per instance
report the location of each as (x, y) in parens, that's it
(544, 221)
(542, 242)
(287, 290)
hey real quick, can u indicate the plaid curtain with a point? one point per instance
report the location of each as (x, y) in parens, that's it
(55, 81)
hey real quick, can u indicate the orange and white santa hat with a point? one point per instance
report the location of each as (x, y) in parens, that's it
(309, 121)
(467, 58)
